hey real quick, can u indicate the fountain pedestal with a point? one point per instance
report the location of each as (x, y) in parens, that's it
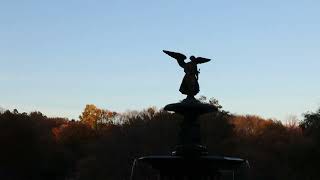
(190, 159)
(189, 136)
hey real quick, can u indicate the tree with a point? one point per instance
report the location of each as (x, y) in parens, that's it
(213, 101)
(93, 116)
(311, 124)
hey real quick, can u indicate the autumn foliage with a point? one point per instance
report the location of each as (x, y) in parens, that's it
(103, 144)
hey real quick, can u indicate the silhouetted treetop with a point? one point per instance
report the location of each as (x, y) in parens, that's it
(311, 124)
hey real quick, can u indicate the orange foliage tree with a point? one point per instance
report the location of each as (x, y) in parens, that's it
(93, 116)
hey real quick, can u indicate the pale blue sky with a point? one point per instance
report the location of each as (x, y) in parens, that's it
(57, 56)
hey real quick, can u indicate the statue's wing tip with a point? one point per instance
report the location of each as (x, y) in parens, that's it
(166, 51)
(202, 60)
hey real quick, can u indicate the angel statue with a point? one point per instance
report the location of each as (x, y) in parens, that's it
(189, 85)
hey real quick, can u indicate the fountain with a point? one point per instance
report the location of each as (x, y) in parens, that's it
(190, 159)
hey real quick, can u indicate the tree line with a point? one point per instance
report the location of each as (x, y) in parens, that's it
(103, 143)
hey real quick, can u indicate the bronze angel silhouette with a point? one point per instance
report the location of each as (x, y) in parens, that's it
(189, 85)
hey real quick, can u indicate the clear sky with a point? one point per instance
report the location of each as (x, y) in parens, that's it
(57, 56)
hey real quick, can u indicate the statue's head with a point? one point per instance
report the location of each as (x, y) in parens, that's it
(192, 58)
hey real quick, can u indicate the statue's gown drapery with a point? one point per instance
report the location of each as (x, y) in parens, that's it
(190, 85)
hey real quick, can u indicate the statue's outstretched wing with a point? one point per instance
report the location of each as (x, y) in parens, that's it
(202, 60)
(178, 56)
